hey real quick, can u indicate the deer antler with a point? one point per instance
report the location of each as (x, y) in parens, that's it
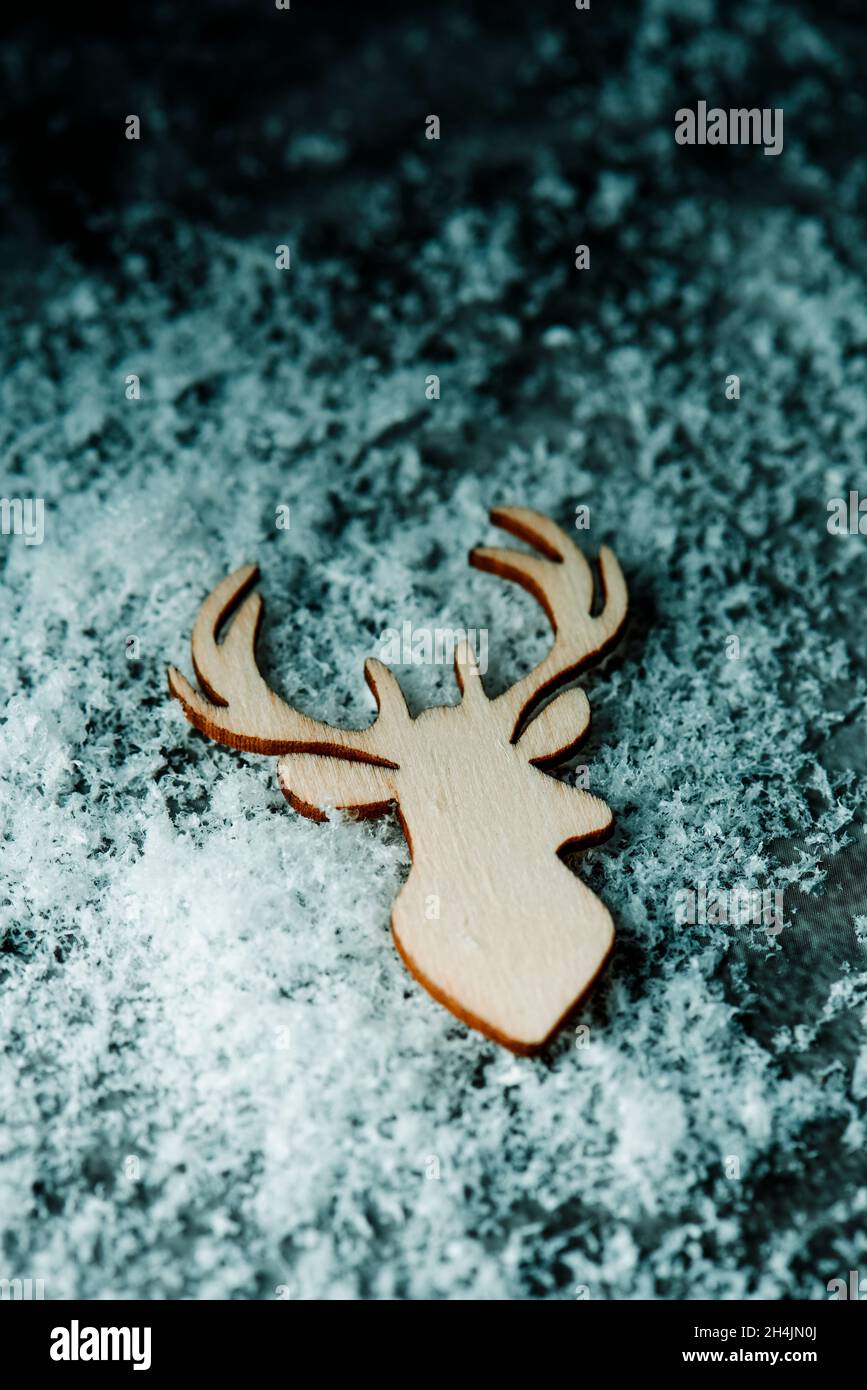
(242, 711)
(562, 583)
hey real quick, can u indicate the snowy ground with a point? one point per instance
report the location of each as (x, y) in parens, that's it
(218, 1079)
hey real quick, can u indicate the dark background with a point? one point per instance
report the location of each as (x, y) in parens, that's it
(218, 86)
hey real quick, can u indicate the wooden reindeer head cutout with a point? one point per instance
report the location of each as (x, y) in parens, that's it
(490, 920)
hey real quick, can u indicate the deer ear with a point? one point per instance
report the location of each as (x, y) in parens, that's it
(313, 784)
(558, 729)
